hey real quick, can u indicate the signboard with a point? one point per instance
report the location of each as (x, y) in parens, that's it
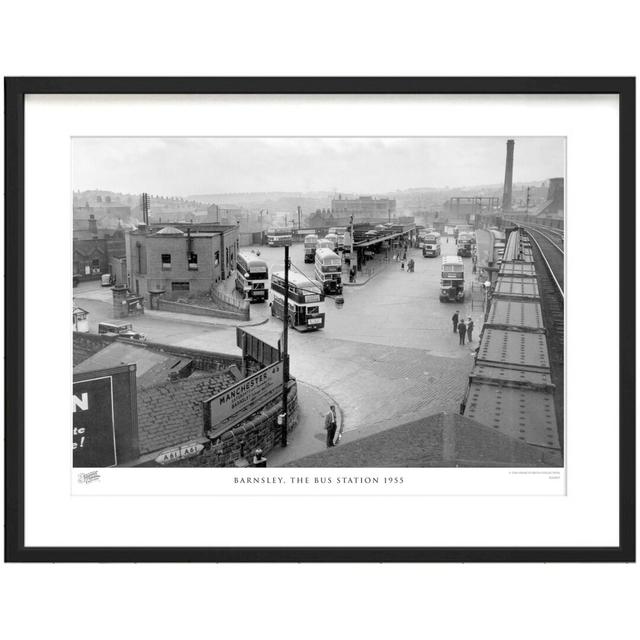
(255, 348)
(179, 453)
(104, 410)
(234, 404)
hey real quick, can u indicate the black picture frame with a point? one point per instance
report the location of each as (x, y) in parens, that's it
(15, 91)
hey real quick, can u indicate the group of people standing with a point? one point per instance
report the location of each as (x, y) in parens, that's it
(464, 330)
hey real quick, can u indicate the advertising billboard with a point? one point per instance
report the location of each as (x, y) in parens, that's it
(105, 424)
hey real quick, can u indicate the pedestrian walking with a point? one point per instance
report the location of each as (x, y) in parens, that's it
(454, 320)
(330, 425)
(470, 330)
(402, 265)
(462, 330)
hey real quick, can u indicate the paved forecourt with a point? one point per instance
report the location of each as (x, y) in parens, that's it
(389, 351)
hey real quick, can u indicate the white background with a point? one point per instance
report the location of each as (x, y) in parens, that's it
(485, 497)
(367, 39)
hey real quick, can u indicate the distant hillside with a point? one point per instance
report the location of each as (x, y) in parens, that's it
(273, 201)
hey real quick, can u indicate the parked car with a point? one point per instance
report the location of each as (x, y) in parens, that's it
(124, 329)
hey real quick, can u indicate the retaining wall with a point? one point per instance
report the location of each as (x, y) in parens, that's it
(196, 310)
(240, 443)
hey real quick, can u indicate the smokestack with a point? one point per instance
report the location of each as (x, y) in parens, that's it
(93, 226)
(508, 178)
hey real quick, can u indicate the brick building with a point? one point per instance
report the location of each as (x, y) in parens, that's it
(180, 258)
(92, 256)
(363, 207)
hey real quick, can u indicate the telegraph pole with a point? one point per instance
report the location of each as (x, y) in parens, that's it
(285, 348)
(528, 190)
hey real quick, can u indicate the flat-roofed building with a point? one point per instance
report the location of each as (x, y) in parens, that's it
(363, 207)
(180, 258)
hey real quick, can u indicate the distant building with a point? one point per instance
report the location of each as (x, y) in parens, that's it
(94, 249)
(181, 258)
(555, 196)
(213, 213)
(103, 214)
(363, 207)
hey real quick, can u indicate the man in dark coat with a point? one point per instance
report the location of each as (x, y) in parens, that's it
(330, 425)
(462, 330)
(470, 330)
(454, 319)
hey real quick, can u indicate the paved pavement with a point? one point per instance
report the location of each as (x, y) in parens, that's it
(387, 354)
(309, 435)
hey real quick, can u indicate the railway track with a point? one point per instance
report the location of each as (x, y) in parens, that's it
(555, 235)
(550, 254)
(550, 275)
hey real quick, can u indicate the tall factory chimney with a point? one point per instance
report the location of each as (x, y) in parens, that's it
(508, 178)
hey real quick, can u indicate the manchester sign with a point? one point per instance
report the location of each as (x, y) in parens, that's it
(234, 404)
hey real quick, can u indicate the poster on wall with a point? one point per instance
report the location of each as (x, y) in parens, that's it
(104, 417)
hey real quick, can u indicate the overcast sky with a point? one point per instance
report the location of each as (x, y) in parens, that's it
(186, 166)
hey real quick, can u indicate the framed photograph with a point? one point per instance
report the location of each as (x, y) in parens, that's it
(320, 319)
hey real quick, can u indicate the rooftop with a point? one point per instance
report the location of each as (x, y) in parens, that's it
(169, 411)
(440, 440)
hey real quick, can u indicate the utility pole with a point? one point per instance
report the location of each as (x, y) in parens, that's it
(285, 349)
(299, 215)
(528, 190)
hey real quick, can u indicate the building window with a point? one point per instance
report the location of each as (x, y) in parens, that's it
(217, 258)
(179, 286)
(192, 260)
(166, 261)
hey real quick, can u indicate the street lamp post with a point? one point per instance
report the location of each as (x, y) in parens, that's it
(285, 349)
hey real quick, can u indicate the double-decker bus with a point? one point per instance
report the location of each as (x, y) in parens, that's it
(252, 277)
(310, 243)
(305, 301)
(452, 280)
(431, 245)
(462, 228)
(340, 232)
(333, 237)
(279, 237)
(329, 271)
(466, 241)
(325, 244)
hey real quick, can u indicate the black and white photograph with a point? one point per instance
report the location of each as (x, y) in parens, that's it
(318, 302)
(334, 311)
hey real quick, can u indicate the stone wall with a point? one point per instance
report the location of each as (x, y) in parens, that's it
(230, 302)
(193, 309)
(240, 443)
(86, 344)
(203, 360)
